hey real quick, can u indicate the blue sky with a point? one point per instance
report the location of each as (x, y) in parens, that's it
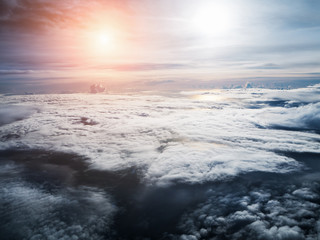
(56, 45)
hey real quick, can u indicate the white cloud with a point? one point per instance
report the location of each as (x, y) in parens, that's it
(186, 139)
(12, 113)
(304, 117)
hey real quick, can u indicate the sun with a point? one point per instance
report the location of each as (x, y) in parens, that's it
(103, 39)
(99, 43)
(214, 19)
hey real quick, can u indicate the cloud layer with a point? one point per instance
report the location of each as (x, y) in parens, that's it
(220, 164)
(271, 209)
(195, 137)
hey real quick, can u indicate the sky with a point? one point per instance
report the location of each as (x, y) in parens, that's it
(129, 44)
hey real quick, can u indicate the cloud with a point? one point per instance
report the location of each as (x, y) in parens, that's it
(300, 111)
(304, 117)
(193, 138)
(274, 232)
(5, 72)
(86, 213)
(29, 28)
(12, 113)
(35, 205)
(179, 163)
(250, 177)
(251, 208)
(26, 15)
(266, 66)
(6, 7)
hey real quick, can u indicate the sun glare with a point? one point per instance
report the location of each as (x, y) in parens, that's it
(99, 43)
(103, 39)
(214, 19)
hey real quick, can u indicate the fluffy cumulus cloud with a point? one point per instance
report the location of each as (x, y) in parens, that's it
(271, 211)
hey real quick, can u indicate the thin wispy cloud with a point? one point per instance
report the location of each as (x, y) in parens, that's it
(46, 35)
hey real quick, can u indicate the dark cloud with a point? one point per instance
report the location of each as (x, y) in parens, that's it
(5, 7)
(33, 15)
(15, 71)
(46, 206)
(264, 209)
